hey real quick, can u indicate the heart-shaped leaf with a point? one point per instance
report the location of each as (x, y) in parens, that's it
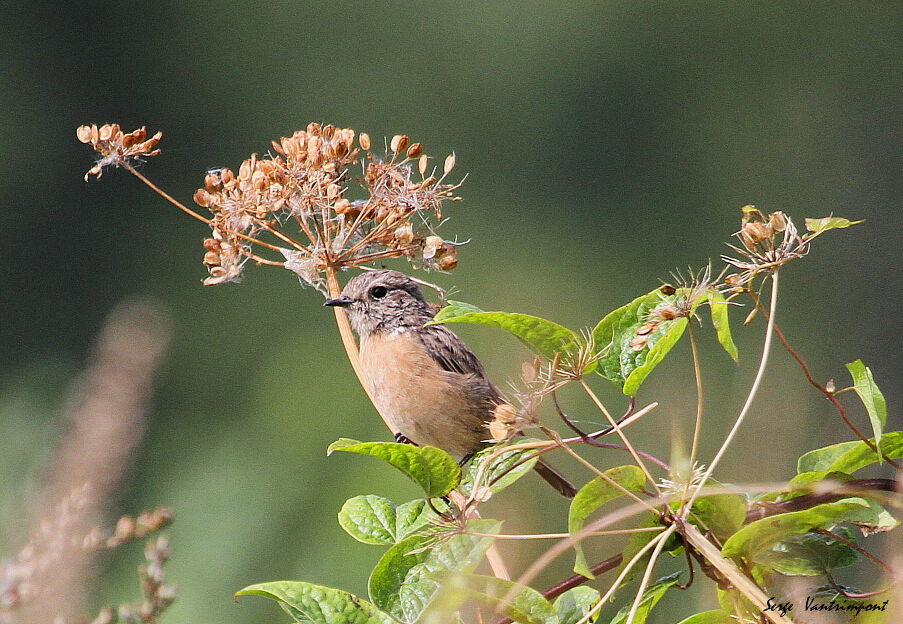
(765, 533)
(865, 386)
(315, 604)
(639, 335)
(720, 308)
(497, 467)
(402, 583)
(595, 494)
(376, 520)
(824, 224)
(432, 469)
(849, 457)
(539, 335)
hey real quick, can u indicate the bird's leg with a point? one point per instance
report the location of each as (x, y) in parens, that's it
(466, 458)
(401, 439)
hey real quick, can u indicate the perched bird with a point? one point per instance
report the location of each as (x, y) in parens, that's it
(424, 380)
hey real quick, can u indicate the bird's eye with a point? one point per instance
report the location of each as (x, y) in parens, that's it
(378, 292)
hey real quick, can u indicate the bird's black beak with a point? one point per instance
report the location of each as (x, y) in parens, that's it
(341, 302)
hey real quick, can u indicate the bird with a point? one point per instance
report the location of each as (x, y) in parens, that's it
(423, 379)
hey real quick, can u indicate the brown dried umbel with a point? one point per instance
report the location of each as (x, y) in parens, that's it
(768, 242)
(115, 147)
(298, 202)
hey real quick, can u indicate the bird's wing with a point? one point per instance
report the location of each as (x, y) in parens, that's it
(450, 352)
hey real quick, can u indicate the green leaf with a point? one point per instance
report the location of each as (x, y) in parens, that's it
(716, 616)
(764, 533)
(850, 456)
(376, 520)
(623, 363)
(453, 309)
(719, 307)
(527, 606)
(650, 598)
(313, 604)
(828, 223)
(639, 540)
(401, 583)
(595, 494)
(498, 466)
(432, 469)
(539, 335)
(722, 514)
(809, 554)
(871, 396)
(575, 603)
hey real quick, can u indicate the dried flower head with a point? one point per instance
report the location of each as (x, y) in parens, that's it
(306, 185)
(300, 202)
(768, 242)
(117, 148)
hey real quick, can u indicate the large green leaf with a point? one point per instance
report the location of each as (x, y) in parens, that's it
(527, 606)
(871, 396)
(722, 514)
(720, 310)
(828, 223)
(307, 603)
(626, 363)
(539, 335)
(432, 469)
(575, 603)
(373, 519)
(809, 554)
(402, 583)
(765, 533)
(850, 456)
(650, 598)
(595, 494)
(716, 616)
(497, 467)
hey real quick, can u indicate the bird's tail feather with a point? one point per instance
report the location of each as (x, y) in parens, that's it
(555, 479)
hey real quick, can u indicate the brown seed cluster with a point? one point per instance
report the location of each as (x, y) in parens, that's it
(768, 241)
(299, 202)
(116, 147)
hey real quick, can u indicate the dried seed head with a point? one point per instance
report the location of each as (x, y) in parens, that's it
(399, 143)
(421, 164)
(430, 246)
(364, 140)
(667, 289)
(415, 150)
(638, 343)
(449, 164)
(115, 147)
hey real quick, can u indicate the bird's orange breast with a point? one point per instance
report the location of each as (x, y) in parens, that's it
(423, 401)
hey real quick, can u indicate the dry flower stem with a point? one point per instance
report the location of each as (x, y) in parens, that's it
(335, 290)
(654, 543)
(617, 428)
(567, 449)
(766, 347)
(730, 571)
(697, 428)
(631, 616)
(530, 536)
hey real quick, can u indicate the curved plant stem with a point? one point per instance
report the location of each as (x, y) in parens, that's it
(341, 319)
(760, 373)
(644, 583)
(617, 428)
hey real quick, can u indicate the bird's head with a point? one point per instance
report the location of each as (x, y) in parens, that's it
(383, 300)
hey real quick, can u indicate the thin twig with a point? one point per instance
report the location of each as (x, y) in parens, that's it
(760, 373)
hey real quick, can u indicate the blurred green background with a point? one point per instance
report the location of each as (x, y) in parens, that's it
(606, 143)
